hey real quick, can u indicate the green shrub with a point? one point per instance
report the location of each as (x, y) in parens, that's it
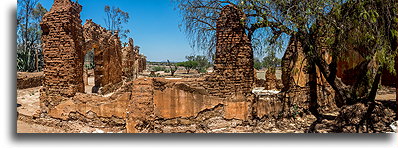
(158, 68)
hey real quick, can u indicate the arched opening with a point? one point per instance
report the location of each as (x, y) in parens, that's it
(88, 71)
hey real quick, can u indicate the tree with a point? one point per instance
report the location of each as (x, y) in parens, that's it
(199, 19)
(365, 26)
(203, 62)
(271, 61)
(115, 19)
(188, 65)
(29, 15)
(368, 26)
(173, 67)
(257, 64)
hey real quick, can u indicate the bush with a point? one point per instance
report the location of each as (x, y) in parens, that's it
(158, 68)
(89, 66)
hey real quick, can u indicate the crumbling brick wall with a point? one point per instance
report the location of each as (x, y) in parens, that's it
(233, 64)
(62, 49)
(142, 63)
(294, 72)
(133, 62)
(29, 80)
(114, 66)
(128, 58)
(107, 53)
(295, 77)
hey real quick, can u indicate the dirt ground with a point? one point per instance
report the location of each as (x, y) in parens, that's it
(386, 94)
(25, 127)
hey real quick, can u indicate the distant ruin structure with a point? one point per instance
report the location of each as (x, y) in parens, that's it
(129, 55)
(62, 49)
(142, 63)
(233, 64)
(133, 62)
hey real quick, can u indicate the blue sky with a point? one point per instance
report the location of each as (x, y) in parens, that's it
(153, 25)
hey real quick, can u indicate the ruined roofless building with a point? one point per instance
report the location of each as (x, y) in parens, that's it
(62, 49)
(233, 64)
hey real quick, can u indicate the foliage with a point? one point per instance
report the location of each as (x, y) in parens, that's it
(203, 63)
(89, 66)
(188, 65)
(257, 64)
(368, 27)
(271, 61)
(158, 68)
(115, 19)
(29, 52)
(199, 18)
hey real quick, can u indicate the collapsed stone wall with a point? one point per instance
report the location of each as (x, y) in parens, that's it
(107, 54)
(29, 80)
(233, 64)
(160, 105)
(62, 50)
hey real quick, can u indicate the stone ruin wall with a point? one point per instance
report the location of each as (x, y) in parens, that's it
(158, 105)
(141, 63)
(62, 50)
(65, 42)
(233, 64)
(134, 63)
(107, 53)
(29, 80)
(295, 78)
(129, 55)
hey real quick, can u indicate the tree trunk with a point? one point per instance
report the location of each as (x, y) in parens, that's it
(313, 90)
(37, 60)
(371, 98)
(307, 40)
(343, 93)
(396, 86)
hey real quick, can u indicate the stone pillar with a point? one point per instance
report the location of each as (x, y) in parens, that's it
(233, 65)
(62, 49)
(128, 55)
